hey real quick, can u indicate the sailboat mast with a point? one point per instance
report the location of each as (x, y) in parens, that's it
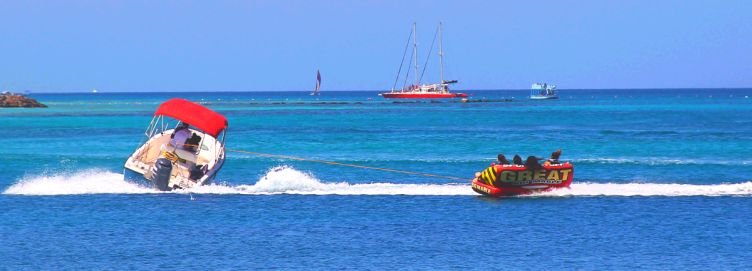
(415, 53)
(441, 57)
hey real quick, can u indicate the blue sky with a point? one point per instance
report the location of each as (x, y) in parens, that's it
(278, 45)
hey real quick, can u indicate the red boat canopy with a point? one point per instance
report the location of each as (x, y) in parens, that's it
(194, 114)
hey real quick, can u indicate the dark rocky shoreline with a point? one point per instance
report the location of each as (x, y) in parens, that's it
(8, 99)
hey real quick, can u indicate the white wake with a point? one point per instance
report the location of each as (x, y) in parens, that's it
(653, 189)
(286, 180)
(92, 181)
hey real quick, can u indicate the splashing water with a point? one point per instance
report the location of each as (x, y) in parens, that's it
(91, 181)
(286, 180)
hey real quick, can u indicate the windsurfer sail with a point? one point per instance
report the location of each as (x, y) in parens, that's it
(318, 84)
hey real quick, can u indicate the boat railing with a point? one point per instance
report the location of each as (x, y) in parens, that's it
(159, 125)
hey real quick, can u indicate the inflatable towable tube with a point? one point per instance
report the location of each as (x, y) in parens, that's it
(512, 180)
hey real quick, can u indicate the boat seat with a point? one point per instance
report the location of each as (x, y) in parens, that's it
(188, 156)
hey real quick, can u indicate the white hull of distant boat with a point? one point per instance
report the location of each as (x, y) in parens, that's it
(165, 164)
(542, 97)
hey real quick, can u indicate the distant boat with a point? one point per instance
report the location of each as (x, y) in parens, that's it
(318, 84)
(94, 91)
(543, 91)
(423, 91)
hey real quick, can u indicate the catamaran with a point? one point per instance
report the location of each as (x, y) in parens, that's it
(422, 91)
(543, 91)
(318, 84)
(183, 147)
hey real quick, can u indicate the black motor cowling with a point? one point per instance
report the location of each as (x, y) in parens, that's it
(161, 174)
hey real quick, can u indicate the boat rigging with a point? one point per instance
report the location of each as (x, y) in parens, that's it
(418, 90)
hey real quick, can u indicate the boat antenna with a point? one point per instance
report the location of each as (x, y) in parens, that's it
(399, 71)
(415, 53)
(428, 56)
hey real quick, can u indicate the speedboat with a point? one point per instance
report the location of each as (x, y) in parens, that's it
(184, 147)
(513, 180)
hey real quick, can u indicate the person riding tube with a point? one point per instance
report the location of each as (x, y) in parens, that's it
(501, 160)
(554, 158)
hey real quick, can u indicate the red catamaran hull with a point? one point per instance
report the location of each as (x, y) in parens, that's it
(423, 95)
(517, 180)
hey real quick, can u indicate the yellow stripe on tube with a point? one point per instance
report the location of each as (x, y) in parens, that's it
(489, 175)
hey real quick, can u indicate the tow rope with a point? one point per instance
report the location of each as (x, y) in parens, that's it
(348, 165)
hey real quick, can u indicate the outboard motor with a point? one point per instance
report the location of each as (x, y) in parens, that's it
(161, 174)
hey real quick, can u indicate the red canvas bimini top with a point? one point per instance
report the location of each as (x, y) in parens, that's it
(194, 114)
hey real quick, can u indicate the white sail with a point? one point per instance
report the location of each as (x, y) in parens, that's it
(318, 83)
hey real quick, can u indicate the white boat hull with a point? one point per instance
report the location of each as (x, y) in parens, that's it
(141, 165)
(136, 177)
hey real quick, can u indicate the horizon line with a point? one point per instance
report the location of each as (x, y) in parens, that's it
(349, 90)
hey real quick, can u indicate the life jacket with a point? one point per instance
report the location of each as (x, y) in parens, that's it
(490, 175)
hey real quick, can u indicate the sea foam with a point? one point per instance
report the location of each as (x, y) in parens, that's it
(287, 180)
(90, 181)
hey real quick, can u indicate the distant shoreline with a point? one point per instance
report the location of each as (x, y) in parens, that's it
(375, 91)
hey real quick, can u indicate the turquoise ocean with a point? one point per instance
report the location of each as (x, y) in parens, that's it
(662, 180)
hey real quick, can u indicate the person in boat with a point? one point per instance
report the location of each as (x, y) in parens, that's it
(532, 163)
(180, 135)
(501, 160)
(554, 158)
(517, 159)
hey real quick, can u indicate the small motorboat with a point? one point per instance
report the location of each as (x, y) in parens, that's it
(543, 91)
(184, 147)
(513, 180)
